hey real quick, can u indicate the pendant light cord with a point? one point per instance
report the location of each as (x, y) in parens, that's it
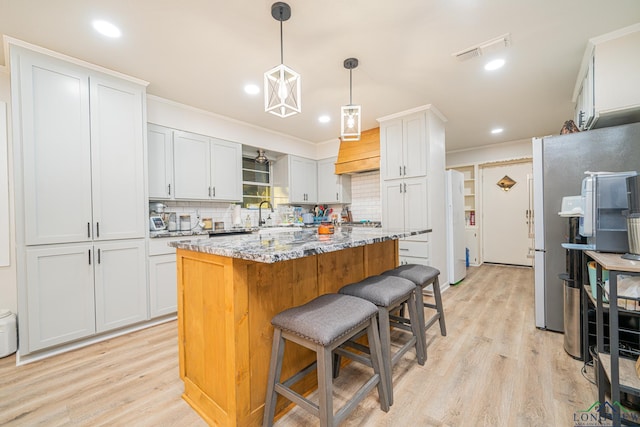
(281, 44)
(350, 86)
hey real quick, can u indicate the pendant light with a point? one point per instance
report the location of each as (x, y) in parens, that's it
(261, 159)
(350, 114)
(281, 83)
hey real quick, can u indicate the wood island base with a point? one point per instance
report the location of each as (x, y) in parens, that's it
(225, 306)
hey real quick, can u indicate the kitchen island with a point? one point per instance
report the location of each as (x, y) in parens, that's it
(230, 287)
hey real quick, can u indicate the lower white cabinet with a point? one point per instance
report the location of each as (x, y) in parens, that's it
(77, 290)
(163, 289)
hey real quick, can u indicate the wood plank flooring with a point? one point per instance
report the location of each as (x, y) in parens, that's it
(494, 368)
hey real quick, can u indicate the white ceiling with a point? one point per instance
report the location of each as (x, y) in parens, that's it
(202, 53)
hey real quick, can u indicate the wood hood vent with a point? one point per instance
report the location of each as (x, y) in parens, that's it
(360, 156)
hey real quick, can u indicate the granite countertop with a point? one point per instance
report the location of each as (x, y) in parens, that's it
(283, 246)
(198, 232)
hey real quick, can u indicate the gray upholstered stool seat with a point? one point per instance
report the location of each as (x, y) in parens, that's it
(389, 293)
(423, 276)
(322, 325)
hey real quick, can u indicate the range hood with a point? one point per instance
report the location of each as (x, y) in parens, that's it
(360, 156)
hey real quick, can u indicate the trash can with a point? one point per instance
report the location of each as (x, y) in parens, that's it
(572, 318)
(8, 333)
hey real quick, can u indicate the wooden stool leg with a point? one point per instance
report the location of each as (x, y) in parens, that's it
(275, 370)
(385, 349)
(421, 321)
(325, 386)
(417, 328)
(373, 338)
(439, 307)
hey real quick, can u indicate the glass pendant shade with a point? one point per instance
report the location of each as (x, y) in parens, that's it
(282, 91)
(350, 122)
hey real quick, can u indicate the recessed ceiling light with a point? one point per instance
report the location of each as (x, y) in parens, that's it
(324, 119)
(106, 28)
(496, 130)
(252, 89)
(494, 65)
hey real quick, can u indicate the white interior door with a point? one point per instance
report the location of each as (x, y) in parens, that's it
(505, 223)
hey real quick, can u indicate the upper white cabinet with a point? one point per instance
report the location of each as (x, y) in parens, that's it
(206, 168)
(412, 160)
(607, 90)
(332, 188)
(160, 162)
(191, 166)
(402, 149)
(295, 180)
(82, 144)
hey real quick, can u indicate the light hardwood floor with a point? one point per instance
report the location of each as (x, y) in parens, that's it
(494, 368)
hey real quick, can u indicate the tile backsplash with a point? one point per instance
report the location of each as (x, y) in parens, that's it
(365, 196)
(365, 204)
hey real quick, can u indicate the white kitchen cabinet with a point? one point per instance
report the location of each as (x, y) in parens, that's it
(163, 289)
(60, 293)
(120, 283)
(206, 168)
(117, 159)
(607, 91)
(77, 290)
(191, 165)
(226, 170)
(403, 152)
(79, 145)
(160, 162)
(412, 173)
(82, 164)
(295, 180)
(163, 285)
(332, 188)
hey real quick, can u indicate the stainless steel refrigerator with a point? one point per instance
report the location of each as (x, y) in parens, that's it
(559, 163)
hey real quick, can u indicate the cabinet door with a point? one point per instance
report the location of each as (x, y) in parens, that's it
(121, 284)
(332, 188)
(472, 243)
(393, 205)
(56, 164)
(60, 296)
(328, 182)
(191, 166)
(391, 159)
(302, 180)
(416, 205)
(226, 170)
(117, 151)
(160, 162)
(163, 287)
(414, 151)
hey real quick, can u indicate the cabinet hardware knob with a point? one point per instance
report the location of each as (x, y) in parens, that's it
(214, 191)
(169, 189)
(405, 170)
(98, 256)
(337, 197)
(89, 252)
(97, 229)
(89, 230)
(405, 187)
(400, 168)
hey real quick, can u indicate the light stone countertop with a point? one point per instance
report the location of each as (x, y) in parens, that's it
(283, 246)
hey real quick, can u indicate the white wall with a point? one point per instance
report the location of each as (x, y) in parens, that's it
(512, 150)
(179, 116)
(8, 289)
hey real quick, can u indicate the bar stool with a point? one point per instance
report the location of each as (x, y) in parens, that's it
(423, 276)
(322, 325)
(388, 293)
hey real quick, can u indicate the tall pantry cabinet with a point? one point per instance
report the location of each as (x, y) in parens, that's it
(80, 198)
(412, 182)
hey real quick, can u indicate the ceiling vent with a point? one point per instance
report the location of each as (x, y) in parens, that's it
(485, 48)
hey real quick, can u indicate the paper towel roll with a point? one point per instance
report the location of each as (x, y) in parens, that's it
(237, 220)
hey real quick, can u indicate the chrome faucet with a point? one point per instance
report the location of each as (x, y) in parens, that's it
(260, 220)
